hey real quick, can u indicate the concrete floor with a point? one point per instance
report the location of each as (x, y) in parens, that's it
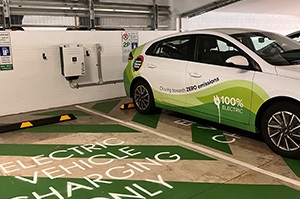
(111, 153)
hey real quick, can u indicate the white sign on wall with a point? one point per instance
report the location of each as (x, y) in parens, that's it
(129, 42)
(5, 52)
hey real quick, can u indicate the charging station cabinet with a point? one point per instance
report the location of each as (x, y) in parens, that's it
(72, 61)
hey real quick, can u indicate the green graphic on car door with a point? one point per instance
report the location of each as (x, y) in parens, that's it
(231, 99)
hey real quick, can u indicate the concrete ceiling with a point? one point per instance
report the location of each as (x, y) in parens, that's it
(188, 5)
(280, 7)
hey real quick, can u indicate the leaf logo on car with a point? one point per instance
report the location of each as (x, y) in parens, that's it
(217, 103)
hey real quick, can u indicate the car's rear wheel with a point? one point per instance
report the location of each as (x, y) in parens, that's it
(143, 98)
(280, 128)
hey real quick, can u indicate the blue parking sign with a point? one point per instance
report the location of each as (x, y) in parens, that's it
(134, 45)
(4, 51)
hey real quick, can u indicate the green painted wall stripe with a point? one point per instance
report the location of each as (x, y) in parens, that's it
(144, 151)
(294, 165)
(106, 107)
(82, 128)
(62, 112)
(147, 120)
(12, 187)
(204, 137)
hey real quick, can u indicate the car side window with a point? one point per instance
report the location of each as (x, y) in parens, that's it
(295, 37)
(260, 42)
(214, 50)
(174, 48)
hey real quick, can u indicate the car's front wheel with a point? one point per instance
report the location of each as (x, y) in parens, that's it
(280, 128)
(143, 98)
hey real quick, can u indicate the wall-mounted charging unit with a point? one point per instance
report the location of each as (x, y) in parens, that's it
(72, 61)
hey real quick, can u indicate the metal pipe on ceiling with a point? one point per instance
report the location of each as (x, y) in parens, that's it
(91, 14)
(207, 8)
(6, 14)
(89, 10)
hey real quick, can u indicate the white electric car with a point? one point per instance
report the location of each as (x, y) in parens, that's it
(249, 79)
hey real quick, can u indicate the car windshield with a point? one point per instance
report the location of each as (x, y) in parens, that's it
(275, 49)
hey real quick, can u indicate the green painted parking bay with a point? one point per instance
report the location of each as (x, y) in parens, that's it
(148, 188)
(103, 155)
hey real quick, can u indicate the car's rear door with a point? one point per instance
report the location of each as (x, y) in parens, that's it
(165, 67)
(215, 89)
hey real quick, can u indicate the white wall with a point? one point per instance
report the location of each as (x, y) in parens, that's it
(282, 24)
(36, 84)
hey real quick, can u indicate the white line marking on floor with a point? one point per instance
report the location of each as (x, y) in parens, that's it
(196, 147)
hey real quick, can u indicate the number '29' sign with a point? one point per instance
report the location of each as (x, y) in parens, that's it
(129, 42)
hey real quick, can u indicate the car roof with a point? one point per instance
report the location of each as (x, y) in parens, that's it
(294, 34)
(216, 31)
(227, 31)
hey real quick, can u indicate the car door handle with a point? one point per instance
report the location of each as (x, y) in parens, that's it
(151, 66)
(195, 75)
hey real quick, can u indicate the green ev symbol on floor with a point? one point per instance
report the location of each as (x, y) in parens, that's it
(213, 137)
(220, 138)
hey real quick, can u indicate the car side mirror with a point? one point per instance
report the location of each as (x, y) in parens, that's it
(238, 60)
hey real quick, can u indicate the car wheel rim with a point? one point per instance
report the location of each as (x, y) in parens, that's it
(141, 97)
(284, 130)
